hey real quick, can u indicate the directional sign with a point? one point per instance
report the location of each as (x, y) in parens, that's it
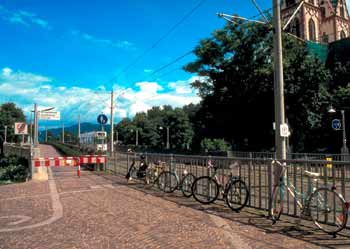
(49, 115)
(284, 130)
(21, 129)
(336, 124)
(102, 119)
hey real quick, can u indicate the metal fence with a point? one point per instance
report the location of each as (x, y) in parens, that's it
(256, 172)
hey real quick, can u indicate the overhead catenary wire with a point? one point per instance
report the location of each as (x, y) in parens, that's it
(154, 45)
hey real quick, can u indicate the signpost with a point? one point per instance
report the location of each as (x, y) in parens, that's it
(102, 119)
(284, 130)
(49, 115)
(336, 124)
(21, 128)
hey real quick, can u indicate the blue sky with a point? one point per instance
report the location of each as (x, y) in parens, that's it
(67, 53)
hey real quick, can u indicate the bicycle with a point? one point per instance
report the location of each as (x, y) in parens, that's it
(205, 189)
(166, 180)
(169, 181)
(315, 205)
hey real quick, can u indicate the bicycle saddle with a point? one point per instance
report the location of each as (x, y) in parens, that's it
(311, 174)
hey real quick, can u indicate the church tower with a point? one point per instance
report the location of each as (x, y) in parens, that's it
(317, 20)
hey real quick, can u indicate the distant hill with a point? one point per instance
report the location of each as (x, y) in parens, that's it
(84, 127)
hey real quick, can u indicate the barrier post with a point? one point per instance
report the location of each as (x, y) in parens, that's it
(78, 172)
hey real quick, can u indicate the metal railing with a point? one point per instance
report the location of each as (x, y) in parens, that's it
(256, 172)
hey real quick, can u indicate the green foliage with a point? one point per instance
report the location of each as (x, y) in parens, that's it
(214, 145)
(66, 150)
(152, 129)
(9, 114)
(238, 89)
(13, 169)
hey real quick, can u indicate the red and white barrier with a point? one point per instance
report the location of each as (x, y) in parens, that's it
(68, 161)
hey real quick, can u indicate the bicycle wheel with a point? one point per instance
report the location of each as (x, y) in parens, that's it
(205, 189)
(277, 202)
(236, 195)
(151, 176)
(186, 185)
(328, 210)
(168, 181)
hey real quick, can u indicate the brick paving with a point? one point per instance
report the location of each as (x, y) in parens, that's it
(105, 212)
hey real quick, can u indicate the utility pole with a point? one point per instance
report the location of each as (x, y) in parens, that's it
(36, 142)
(63, 133)
(79, 129)
(344, 149)
(31, 128)
(167, 138)
(137, 137)
(280, 142)
(112, 123)
(46, 134)
(5, 134)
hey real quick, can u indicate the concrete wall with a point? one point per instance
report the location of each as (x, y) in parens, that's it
(26, 151)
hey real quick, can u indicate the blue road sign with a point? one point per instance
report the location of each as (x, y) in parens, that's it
(102, 119)
(336, 124)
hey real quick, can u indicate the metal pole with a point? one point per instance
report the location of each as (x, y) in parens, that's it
(63, 133)
(31, 128)
(36, 142)
(46, 134)
(167, 138)
(345, 148)
(5, 134)
(137, 137)
(79, 129)
(112, 112)
(280, 142)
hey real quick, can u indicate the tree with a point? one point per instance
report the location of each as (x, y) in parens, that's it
(152, 128)
(9, 114)
(237, 87)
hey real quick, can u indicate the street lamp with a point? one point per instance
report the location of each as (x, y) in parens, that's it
(344, 149)
(137, 136)
(36, 121)
(167, 136)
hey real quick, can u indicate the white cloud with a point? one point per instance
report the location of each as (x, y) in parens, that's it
(27, 88)
(102, 42)
(23, 17)
(148, 70)
(184, 87)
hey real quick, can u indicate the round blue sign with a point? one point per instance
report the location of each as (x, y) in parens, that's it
(336, 124)
(102, 119)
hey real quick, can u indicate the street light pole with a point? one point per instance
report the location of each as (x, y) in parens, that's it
(167, 138)
(46, 134)
(137, 137)
(5, 134)
(344, 149)
(63, 133)
(36, 142)
(280, 142)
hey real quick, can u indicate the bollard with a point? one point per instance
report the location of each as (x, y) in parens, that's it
(78, 172)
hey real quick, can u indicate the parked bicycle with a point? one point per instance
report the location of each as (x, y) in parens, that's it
(166, 180)
(323, 205)
(206, 189)
(169, 181)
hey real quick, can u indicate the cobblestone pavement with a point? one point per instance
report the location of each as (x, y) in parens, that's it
(105, 212)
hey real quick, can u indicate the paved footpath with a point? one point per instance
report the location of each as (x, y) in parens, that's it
(104, 212)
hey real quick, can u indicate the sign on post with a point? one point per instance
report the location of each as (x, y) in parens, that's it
(284, 130)
(102, 119)
(49, 115)
(21, 128)
(336, 124)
